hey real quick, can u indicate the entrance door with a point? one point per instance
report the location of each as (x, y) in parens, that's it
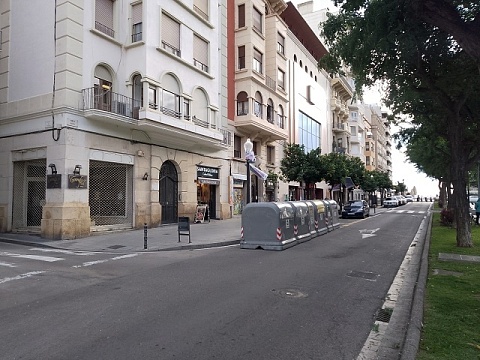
(169, 193)
(212, 202)
(35, 202)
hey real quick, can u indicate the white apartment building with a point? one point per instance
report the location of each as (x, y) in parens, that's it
(111, 115)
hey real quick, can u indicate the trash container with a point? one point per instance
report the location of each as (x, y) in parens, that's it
(268, 226)
(301, 223)
(333, 218)
(319, 216)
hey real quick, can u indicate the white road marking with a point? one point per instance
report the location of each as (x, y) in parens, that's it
(410, 211)
(21, 276)
(67, 252)
(368, 233)
(32, 257)
(124, 256)
(7, 264)
(90, 263)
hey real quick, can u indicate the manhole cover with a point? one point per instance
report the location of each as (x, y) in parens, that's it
(290, 293)
(116, 247)
(364, 275)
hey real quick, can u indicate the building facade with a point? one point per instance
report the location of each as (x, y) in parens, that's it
(111, 114)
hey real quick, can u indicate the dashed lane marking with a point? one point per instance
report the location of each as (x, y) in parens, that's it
(90, 263)
(7, 264)
(21, 276)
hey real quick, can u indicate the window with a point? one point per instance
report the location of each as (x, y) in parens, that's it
(367, 160)
(309, 132)
(200, 53)
(237, 146)
(258, 105)
(257, 20)
(186, 109)
(241, 57)
(102, 89)
(270, 112)
(257, 61)
(170, 103)
(137, 91)
(137, 22)
(170, 35)
(152, 98)
(270, 155)
(104, 17)
(201, 8)
(353, 130)
(241, 15)
(280, 44)
(242, 103)
(281, 79)
(280, 117)
(367, 146)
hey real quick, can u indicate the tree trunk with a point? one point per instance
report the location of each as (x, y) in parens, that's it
(458, 172)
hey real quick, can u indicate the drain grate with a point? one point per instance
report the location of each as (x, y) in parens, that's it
(383, 315)
(116, 247)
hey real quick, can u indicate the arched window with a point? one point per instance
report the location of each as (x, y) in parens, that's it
(102, 88)
(137, 91)
(200, 108)
(170, 96)
(280, 118)
(270, 112)
(242, 103)
(258, 105)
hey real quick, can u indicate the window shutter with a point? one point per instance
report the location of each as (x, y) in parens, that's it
(170, 31)
(104, 12)
(202, 5)
(200, 50)
(137, 13)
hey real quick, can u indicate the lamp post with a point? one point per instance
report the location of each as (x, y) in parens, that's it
(249, 157)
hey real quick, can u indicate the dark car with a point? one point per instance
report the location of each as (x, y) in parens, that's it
(356, 208)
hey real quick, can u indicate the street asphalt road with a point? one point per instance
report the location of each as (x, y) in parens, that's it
(316, 300)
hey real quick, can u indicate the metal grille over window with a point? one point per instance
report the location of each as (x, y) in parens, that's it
(170, 35)
(29, 193)
(111, 193)
(200, 53)
(104, 17)
(137, 22)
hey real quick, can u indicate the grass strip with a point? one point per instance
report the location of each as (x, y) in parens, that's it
(451, 324)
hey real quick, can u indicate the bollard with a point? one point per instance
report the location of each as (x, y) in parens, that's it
(145, 235)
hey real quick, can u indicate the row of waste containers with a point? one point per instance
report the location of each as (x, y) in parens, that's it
(280, 225)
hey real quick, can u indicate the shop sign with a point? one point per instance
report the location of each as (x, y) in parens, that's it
(206, 172)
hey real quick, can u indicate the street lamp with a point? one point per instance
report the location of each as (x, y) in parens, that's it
(249, 158)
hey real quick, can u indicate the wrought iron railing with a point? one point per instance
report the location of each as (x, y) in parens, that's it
(171, 48)
(104, 29)
(109, 101)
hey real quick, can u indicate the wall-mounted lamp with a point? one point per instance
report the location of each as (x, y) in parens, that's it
(76, 171)
(145, 176)
(105, 87)
(54, 169)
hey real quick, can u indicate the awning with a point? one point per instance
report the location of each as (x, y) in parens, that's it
(208, 181)
(349, 183)
(239, 177)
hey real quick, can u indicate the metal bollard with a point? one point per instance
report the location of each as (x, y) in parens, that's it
(145, 235)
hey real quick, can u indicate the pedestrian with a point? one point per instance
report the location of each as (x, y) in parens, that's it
(477, 210)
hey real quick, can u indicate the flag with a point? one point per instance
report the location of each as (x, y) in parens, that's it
(259, 173)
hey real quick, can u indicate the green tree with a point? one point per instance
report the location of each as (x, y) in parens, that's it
(427, 75)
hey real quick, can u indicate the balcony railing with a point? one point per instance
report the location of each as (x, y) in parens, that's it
(272, 84)
(109, 101)
(104, 29)
(200, 65)
(171, 48)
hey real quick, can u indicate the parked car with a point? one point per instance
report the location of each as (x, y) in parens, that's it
(356, 208)
(409, 198)
(391, 201)
(401, 200)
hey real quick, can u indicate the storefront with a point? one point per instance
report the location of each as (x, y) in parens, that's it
(238, 193)
(208, 180)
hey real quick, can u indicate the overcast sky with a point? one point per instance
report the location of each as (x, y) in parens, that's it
(402, 170)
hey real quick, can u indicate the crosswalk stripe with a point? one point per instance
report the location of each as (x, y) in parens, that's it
(411, 211)
(7, 264)
(124, 256)
(21, 276)
(90, 263)
(67, 252)
(32, 257)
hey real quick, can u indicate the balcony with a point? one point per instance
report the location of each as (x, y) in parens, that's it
(250, 123)
(339, 127)
(163, 125)
(108, 105)
(335, 104)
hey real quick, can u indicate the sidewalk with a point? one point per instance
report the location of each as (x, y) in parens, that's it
(213, 234)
